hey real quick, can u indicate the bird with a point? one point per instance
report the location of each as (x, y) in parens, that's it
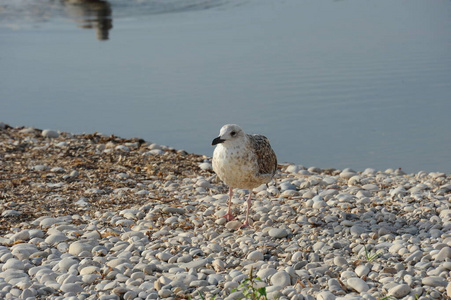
(242, 161)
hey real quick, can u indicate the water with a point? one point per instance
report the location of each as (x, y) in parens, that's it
(332, 83)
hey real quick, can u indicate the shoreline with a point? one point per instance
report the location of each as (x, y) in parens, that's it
(111, 216)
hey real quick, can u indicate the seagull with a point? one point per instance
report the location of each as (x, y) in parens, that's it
(242, 161)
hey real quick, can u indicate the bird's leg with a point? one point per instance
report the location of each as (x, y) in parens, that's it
(228, 216)
(246, 223)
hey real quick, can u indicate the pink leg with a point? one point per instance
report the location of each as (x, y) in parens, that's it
(228, 215)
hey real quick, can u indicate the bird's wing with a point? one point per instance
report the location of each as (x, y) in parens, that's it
(266, 158)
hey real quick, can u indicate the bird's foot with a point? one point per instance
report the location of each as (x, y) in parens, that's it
(246, 225)
(228, 216)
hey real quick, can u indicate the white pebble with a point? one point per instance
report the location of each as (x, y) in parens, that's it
(255, 255)
(278, 233)
(281, 279)
(357, 284)
(50, 133)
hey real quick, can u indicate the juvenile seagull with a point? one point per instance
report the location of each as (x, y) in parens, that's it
(242, 161)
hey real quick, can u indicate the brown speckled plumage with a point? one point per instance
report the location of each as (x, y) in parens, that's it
(266, 158)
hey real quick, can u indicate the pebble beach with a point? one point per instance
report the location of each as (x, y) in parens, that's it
(89, 216)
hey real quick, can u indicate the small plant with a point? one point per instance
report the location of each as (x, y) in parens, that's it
(387, 298)
(372, 256)
(250, 290)
(203, 297)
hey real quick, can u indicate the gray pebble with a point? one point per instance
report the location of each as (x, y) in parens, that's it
(13, 263)
(49, 133)
(255, 255)
(11, 213)
(325, 295)
(164, 293)
(334, 285)
(281, 278)
(266, 273)
(362, 270)
(399, 290)
(173, 210)
(23, 235)
(56, 238)
(71, 288)
(357, 284)
(205, 166)
(77, 247)
(434, 281)
(278, 233)
(287, 186)
(195, 264)
(443, 255)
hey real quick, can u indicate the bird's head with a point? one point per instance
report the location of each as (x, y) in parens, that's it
(229, 133)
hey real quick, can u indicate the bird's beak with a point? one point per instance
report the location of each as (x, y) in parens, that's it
(217, 140)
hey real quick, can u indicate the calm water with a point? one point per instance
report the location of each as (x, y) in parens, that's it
(332, 83)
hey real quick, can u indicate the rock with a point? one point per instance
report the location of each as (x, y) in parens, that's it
(164, 293)
(23, 250)
(66, 263)
(49, 133)
(11, 213)
(370, 187)
(444, 254)
(334, 285)
(357, 284)
(164, 256)
(325, 295)
(195, 264)
(434, 281)
(287, 186)
(198, 283)
(13, 274)
(292, 169)
(13, 263)
(281, 278)
(347, 174)
(23, 235)
(415, 257)
(173, 210)
(266, 273)
(399, 291)
(233, 225)
(340, 261)
(122, 148)
(357, 230)
(362, 270)
(71, 288)
(399, 191)
(56, 238)
(255, 255)
(78, 247)
(89, 270)
(206, 166)
(278, 233)
(49, 221)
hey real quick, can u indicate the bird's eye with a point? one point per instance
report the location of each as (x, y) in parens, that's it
(233, 133)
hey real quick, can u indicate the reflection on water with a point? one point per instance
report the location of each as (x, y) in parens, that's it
(92, 14)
